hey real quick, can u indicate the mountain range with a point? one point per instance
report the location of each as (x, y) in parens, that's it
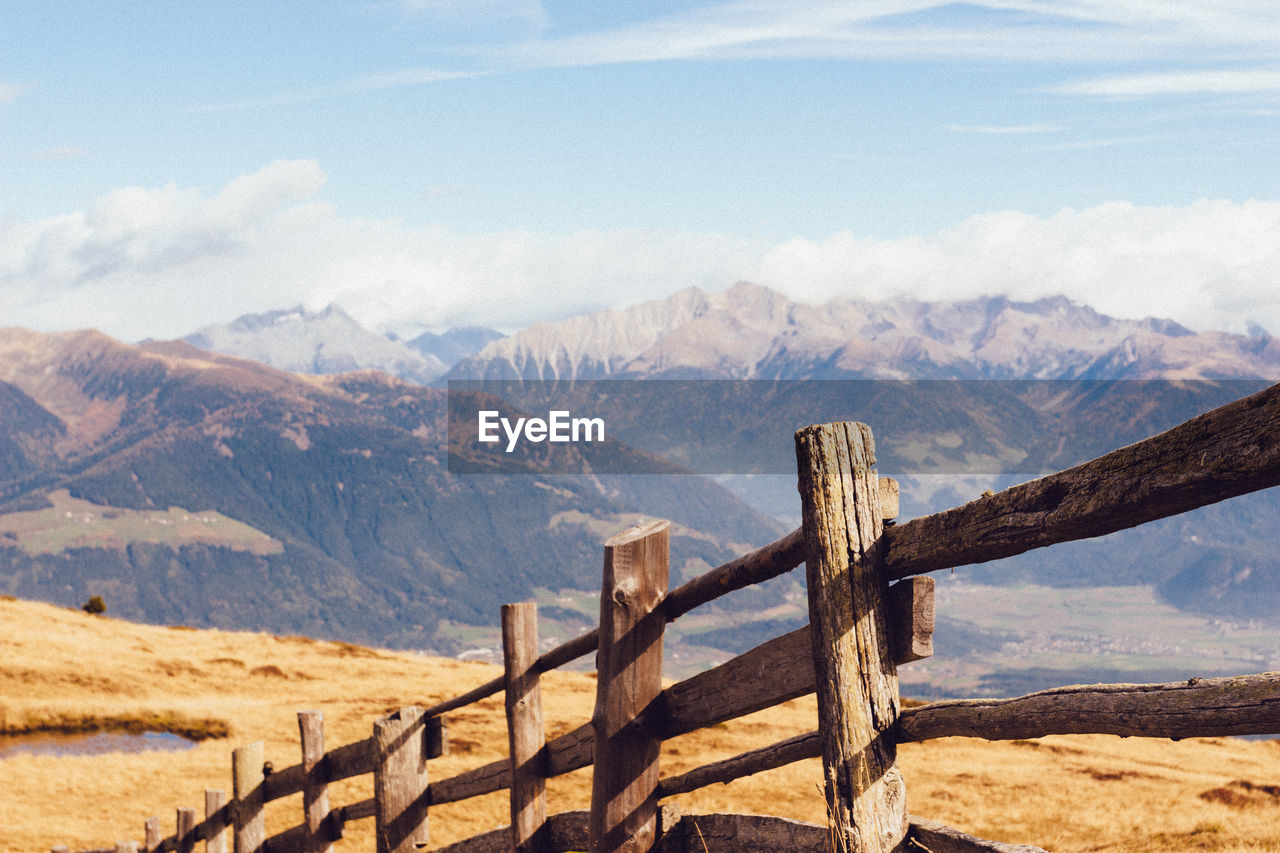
(188, 487)
(312, 458)
(751, 332)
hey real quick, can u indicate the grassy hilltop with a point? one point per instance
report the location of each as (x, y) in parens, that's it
(61, 668)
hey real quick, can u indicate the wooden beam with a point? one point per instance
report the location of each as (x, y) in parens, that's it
(857, 682)
(910, 618)
(767, 675)
(798, 748)
(400, 782)
(246, 775)
(525, 735)
(1227, 452)
(624, 805)
(152, 835)
(1200, 707)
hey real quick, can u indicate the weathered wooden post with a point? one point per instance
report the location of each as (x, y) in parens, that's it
(151, 835)
(315, 790)
(249, 826)
(525, 734)
(215, 836)
(184, 834)
(857, 681)
(400, 781)
(624, 805)
(126, 847)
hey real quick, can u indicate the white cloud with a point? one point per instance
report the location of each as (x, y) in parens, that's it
(1208, 265)
(1114, 31)
(1178, 83)
(162, 262)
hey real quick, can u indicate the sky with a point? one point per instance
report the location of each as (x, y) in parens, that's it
(436, 163)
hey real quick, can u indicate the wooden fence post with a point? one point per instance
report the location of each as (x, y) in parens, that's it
(624, 804)
(315, 790)
(184, 833)
(126, 847)
(151, 835)
(215, 836)
(525, 735)
(246, 782)
(857, 682)
(400, 781)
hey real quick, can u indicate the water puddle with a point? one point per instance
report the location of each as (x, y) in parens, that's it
(90, 743)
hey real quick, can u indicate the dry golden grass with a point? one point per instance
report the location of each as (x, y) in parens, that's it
(1066, 794)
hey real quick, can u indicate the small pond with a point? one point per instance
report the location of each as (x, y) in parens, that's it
(90, 743)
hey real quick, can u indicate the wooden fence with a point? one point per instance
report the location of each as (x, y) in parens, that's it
(862, 625)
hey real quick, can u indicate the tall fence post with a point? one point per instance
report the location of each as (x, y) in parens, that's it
(215, 836)
(315, 784)
(400, 781)
(857, 681)
(624, 804)
(525, 735)
(246, 782)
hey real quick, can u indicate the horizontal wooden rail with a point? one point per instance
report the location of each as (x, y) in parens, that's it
(1200, 707)
(764, 563)
(1229, 451)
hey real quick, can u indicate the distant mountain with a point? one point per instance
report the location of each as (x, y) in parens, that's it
(751, 332)
(1211, 561)
(330, 341)
(455, 344)
(188, 487)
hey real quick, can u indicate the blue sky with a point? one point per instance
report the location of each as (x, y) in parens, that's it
(436, 162)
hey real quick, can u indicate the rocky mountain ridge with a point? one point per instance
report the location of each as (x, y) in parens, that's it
(752, 332)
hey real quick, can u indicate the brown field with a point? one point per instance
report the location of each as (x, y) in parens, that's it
(64, 669)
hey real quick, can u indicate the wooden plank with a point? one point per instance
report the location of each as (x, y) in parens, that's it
(215, 821)
(186, 830)
(773, 672)
(315, 786)
(910, 619)
(357, 811)
(1200, 707)
(857, 682)
(774, 559)
(1229, 451)
(246, 775)
(151, 835)
(525, 735)
(937, 838)
(624, 805)
(798, 748)
(400, 782)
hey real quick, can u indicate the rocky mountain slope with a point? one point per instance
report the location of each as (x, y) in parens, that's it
(331, 341)
(351, 526)
(751, 332)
